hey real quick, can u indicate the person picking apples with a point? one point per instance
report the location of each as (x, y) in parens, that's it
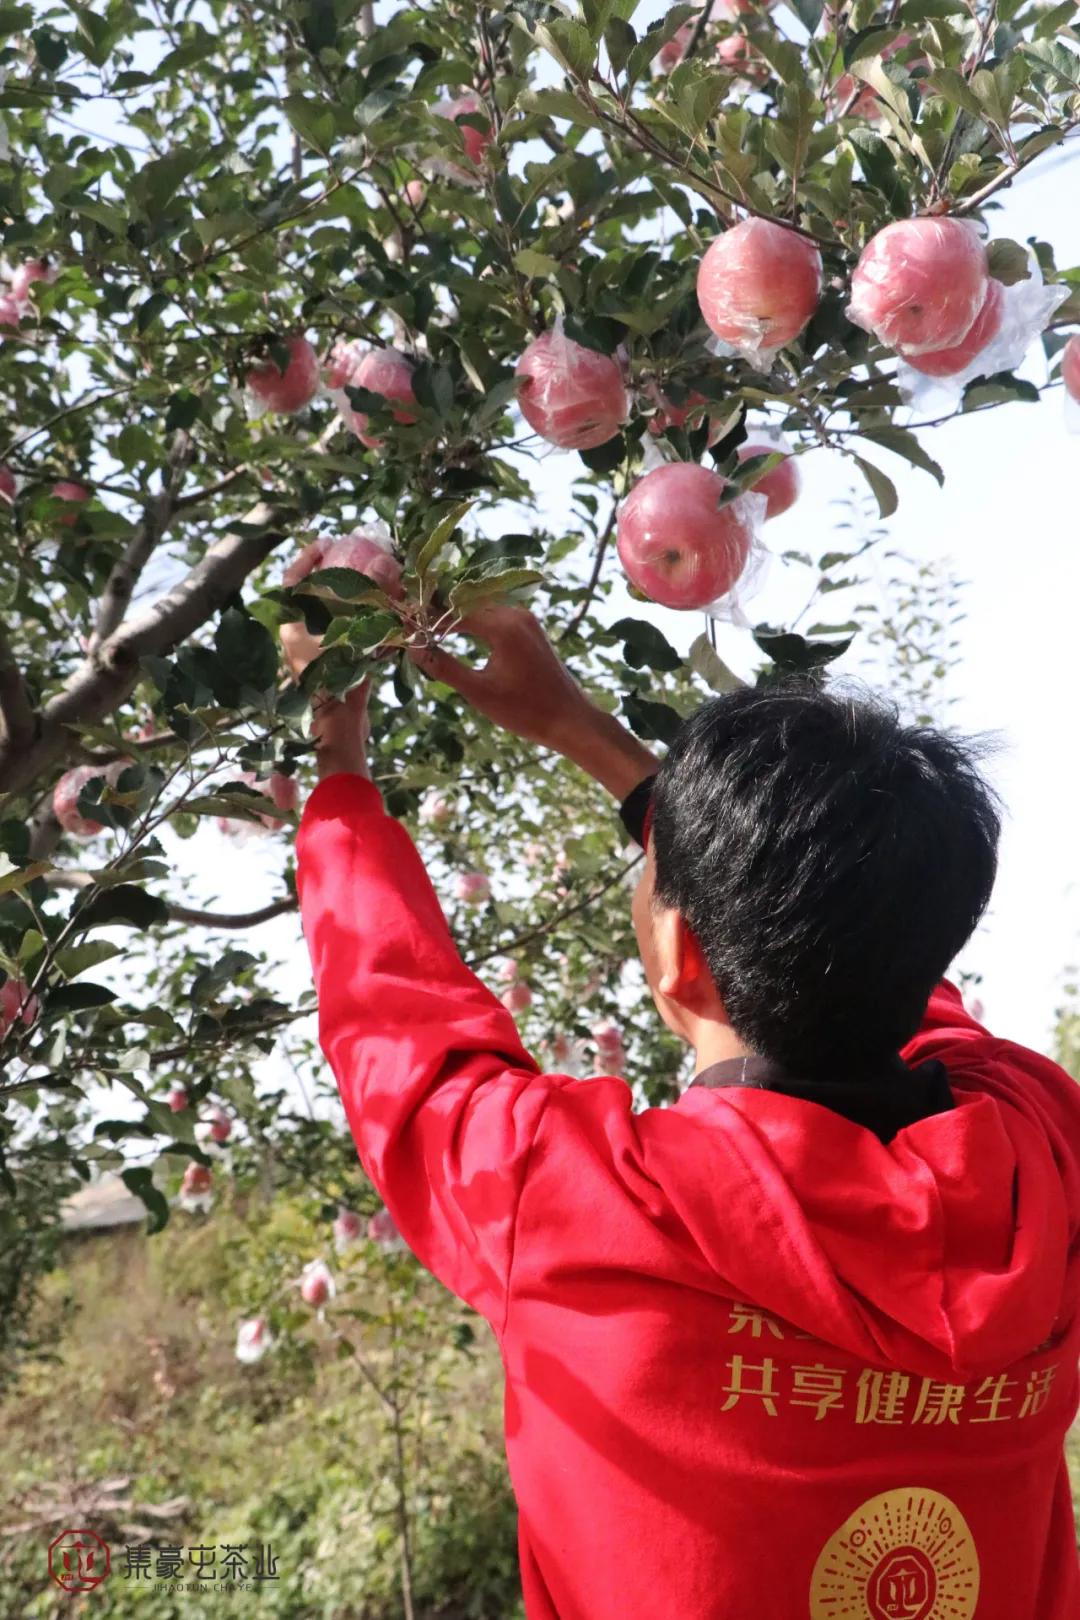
(805, 1343)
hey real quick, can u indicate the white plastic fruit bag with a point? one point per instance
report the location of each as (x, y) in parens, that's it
(1027, 307)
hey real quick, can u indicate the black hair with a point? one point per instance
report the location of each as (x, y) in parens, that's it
(831, 861)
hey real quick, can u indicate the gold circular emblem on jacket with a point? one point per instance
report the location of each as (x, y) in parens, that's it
(904, 1555)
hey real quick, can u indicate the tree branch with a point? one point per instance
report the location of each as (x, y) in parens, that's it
(112, 672)
(191, 914)
(156, 519)
(17, 720)
(594, 577)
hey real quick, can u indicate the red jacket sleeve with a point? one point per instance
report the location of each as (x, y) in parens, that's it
(442, 1099)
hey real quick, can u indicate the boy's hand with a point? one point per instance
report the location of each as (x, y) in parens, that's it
(339, 727)
(525, 688)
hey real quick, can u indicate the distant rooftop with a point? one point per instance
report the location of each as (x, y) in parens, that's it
(100, 1205)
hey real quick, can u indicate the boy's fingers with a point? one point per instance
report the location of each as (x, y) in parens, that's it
(441, 666)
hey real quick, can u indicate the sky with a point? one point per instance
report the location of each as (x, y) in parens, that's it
(1005, 524)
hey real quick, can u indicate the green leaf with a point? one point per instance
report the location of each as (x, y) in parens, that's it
(156, 184)
(645, 645)
(569, 43)
(140, 1181)
(471, 592)
(532, 263)
(706, 663)
(902, 442)
(77, 998)
(439, 536)
(655, 722)
(18, 877)
(312, 120)
(151, 309)
(809, 13)
(225, 971)
(124, 903)
(955, 88)
(559, 104)
(77, 958)
(882, 487)
(1001, 389)
(620, 40)
(1009, 262)
(247, 649)
(797, 654)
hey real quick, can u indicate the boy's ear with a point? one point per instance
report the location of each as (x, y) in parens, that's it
(686, 963)
(695, 966)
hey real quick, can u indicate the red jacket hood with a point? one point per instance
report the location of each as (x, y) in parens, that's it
(953, 1251)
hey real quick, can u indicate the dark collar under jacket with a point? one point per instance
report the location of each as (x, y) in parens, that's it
(883, 1102)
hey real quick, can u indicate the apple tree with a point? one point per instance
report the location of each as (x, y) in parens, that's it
(369, 315)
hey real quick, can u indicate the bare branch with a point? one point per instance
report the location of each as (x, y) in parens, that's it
(594, 577)
(156, 519)
(17, 719)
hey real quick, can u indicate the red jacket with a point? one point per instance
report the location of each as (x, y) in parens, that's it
(759, 1365)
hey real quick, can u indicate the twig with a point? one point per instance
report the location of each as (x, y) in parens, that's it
(699, 28)
(594, 577)
(59, 416)
(1007, 176)
(560, 916)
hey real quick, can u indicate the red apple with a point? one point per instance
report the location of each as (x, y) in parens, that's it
(781, 485)
(253, 1339)
(669, 415)
(66, 796)
(570, 395)
(347, 1229)
(8, 487)
(608, 1036)
(177, 1099)
(435, 810)
(517, 998)
(342, 362)
(66, 489)
(316, 1283)
(676, 543)
(25, 276)
(415, 193)
(673, 50)
(364, 551)
(758, 285)
(740, 58)
(290, 390)
(11, 311)
(476, 140)
(472, 888)
(220, 1125)
(196, 1182)
(983, 330)
(920, 284)
(381, 371)
(1070, 367)
(383, 1231)
(17, 1005)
